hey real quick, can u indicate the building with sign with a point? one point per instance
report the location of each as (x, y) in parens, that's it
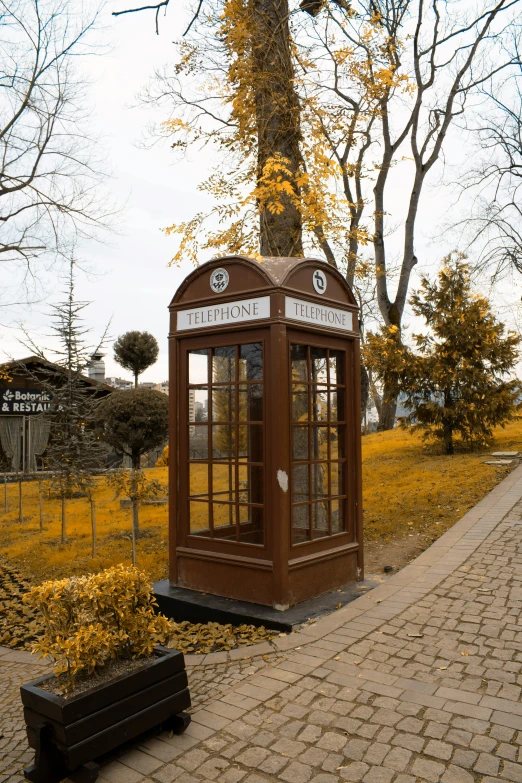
(25, 428)
(265, 452)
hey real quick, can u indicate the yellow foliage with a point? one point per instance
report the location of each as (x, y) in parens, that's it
(163, 461)
(91, 620)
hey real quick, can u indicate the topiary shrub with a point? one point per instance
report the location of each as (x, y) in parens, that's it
(91, 620)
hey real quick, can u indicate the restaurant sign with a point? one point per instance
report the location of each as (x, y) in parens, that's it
(24, 401)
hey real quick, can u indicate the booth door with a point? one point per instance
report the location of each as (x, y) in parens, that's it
(321, 421)
(222, 439)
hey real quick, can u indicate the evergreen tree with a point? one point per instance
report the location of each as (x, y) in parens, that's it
(458, 381)
(74, 449)
(134, 422)
(136, 351)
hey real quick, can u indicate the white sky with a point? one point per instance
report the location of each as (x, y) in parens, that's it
(132, 282)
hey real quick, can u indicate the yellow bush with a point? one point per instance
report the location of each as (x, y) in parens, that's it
(163, 461)
(90, 620)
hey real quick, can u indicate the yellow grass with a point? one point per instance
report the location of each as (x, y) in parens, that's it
(44, 556)
(408, 489)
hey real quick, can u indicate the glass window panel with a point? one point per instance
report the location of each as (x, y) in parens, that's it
(318, 365)
(337, 473)
(319, 480)
(320, 403)
(319, 443)
(251, 442)
(223, 403)
(224, 364)
(337, 442)
(198, 481)
(299, 363)
(251, 362)
(337, 405)
(300, 524)
(251, 524)
(338, 515)
(198, 441)
(223, 441)
(198, 366)
(224, 516)
(300, 406)
(224, 481)
(250, 483)
(198, 404)
(300, 486)
(199, 524)
(251, 402)
(320, 525)
(336, 367)
(300, 443)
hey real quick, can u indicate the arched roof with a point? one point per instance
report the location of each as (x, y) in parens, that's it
(271, 271)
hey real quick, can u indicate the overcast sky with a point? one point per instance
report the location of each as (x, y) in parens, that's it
(131, 281)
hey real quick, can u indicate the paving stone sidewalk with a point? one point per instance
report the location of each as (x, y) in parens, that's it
(420, 680)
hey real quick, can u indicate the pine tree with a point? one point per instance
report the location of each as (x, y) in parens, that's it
(459, 381)
(74, 448)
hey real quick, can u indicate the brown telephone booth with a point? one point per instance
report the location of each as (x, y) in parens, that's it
(265, 453)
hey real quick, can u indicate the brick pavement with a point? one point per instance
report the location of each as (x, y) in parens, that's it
(419, 680)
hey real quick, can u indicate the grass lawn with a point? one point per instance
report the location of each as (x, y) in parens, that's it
(411, 495)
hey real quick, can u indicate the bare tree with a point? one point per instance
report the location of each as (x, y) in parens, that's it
(493, 220)
(431, 59)
(50, 172)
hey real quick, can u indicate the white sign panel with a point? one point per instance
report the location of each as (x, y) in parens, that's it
(320, 315)
(224, 313)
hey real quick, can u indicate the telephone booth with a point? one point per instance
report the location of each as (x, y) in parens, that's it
(265, 453)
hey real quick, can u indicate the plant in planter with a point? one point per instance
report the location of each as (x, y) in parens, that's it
(112, 681)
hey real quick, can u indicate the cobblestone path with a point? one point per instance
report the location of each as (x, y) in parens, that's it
(420, 680)
(15, 668)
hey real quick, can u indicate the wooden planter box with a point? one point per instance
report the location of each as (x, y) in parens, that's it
(68, 734)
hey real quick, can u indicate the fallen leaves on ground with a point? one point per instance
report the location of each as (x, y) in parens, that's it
(213, 637)
(20, 625)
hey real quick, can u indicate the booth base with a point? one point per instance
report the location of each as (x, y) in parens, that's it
(181, 604)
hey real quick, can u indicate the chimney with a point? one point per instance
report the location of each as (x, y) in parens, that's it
(96, 367)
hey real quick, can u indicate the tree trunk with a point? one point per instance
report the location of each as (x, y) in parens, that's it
(447, 437)
(365, 389)
(135, 528)
(388, 407)
(93, 526)
(20, 503)
(5, 493)
(447, 426)
(40, 504)
(64, 538)
(278, 124)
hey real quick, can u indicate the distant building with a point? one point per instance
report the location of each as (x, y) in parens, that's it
(192, 409)
(120, 383)
(96, 369)
(161, 387)
(25, 402)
